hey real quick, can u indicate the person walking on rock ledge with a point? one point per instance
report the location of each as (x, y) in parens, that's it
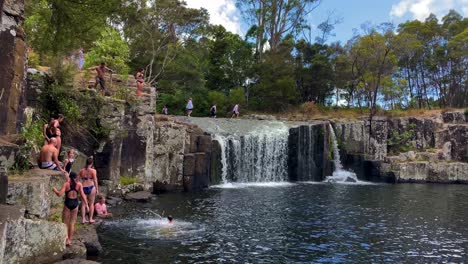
(71, 189)
(90, 188)
(101, 71)
(213, 111)
(189, 107)
(235, 111)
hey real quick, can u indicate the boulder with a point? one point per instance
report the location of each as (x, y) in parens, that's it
(33, 191)
(454, 117)
(7, 153)
(88, 236)
(29, 241)
(142, 196)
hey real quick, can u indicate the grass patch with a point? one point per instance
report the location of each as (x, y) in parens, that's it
(128, 180)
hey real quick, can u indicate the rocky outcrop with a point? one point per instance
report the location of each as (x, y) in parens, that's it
(430, 172)
(434, 143)
(12, 64)
(141, 196)
(29, 241)
(33, 192)
(309, 150)
(197, 163)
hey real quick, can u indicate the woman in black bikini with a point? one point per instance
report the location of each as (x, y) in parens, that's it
(88, 177)
(70, 210)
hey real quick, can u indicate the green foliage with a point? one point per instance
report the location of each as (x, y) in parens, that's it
(401, 141)
(33, 59)
(32, 135)
(111, 49)
(128, 180)
(58, 99)
(58, 26)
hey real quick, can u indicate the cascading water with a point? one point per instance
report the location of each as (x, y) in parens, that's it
(339, 174)
(259, 156)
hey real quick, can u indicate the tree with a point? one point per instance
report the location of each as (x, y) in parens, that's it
(111, 49)
(58, 26)
(272, 20)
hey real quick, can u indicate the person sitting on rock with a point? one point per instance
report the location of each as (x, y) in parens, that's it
(71, 189)
(48, 157)
(68, 163)
(101, 208)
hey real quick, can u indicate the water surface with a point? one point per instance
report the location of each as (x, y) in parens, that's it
(294, 223)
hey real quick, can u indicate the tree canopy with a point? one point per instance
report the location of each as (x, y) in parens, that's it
(417, 64)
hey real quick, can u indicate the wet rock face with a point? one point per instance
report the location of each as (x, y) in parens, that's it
(308, 153)
(12, 63)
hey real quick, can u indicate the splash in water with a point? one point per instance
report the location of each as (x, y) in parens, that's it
(340, 175)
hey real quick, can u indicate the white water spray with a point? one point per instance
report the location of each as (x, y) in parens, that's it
(339, 174)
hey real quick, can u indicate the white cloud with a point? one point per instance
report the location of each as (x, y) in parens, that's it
(421, 9)
(222, 12)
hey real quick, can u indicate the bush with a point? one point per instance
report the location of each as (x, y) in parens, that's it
(128, 180)
(401, 142)
(33, 59)
(112, 50)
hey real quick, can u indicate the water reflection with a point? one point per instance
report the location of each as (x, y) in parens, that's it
(295, 223)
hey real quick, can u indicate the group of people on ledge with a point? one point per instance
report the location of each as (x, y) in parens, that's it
(213, 110)
(82, 185)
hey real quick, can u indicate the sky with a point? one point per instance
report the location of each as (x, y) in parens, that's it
(353, 13)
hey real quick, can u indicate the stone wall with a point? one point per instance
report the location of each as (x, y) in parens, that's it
(437, 144)
(29, 241)
(12, 64)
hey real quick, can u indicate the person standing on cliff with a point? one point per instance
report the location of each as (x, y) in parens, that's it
(71, 189)
(235, 111)
(165, 111)
(189, 107)
(101, 71)
(80, 59)
(88, 177)
(140, 78)
(213, 111)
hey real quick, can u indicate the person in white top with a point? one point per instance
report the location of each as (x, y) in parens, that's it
(189, 107)
(235, 111)
(213, 111)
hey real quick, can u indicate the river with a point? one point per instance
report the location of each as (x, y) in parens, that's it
(294, 223)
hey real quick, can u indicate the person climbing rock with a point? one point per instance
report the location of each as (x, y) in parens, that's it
(101, 71)
(89, 180)
(71, 189)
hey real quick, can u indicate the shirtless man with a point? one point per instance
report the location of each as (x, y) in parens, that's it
(49, 156)
(101, 71)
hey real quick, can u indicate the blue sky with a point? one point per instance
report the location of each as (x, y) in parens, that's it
(353, 13)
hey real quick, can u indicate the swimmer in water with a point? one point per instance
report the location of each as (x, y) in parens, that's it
(170, 219)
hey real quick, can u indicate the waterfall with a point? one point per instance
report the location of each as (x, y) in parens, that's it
(339, 174)
(259, 156)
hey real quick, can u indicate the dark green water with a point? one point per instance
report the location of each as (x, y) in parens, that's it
(300, 223)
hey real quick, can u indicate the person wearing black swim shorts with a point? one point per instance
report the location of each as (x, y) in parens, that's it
(71, 189)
